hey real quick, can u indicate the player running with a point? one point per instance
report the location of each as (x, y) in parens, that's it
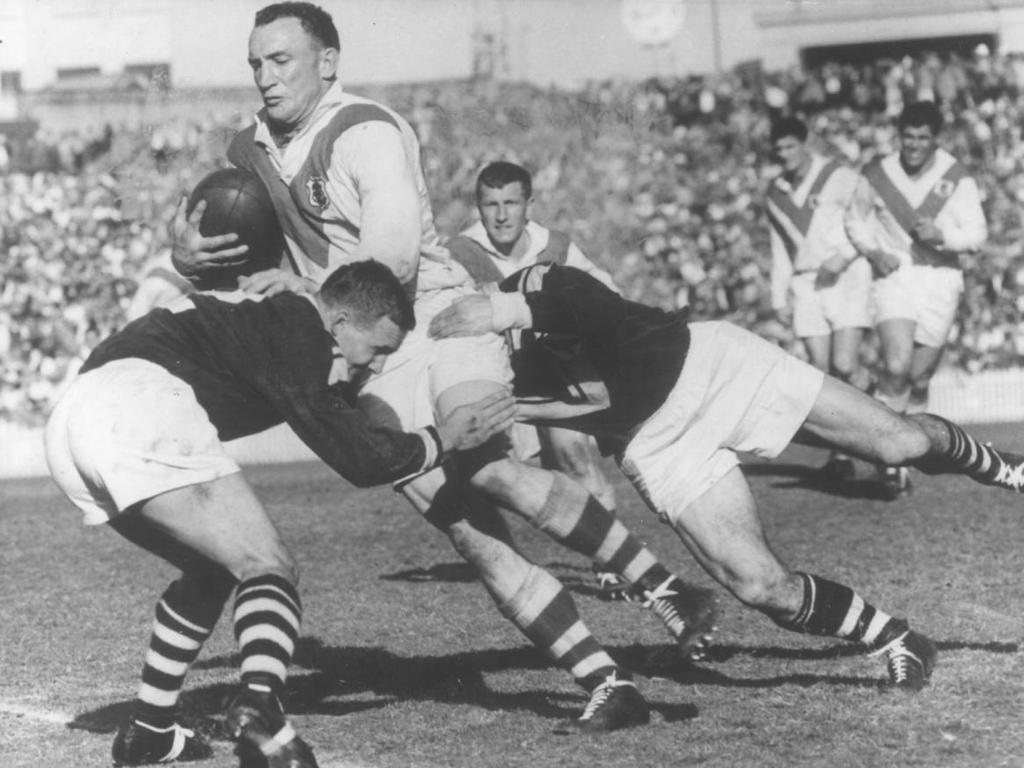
(675, 401)
(916, 215)
(345, 177)
(136, 442)
(817, 275)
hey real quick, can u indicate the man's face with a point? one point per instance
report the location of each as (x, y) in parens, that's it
(290, 70)
(365, 346)
(504, 213)
(917, 145)
(790, 153)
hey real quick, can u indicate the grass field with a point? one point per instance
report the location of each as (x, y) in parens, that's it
(404, 661)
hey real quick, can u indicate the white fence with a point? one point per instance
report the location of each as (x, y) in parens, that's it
(988, 397)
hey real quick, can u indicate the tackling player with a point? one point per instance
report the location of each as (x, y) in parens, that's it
(915, 215)
(135, 442)
(345, 178)
(814, 264)
(681, 399)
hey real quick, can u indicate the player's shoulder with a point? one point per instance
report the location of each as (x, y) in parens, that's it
(353, 111)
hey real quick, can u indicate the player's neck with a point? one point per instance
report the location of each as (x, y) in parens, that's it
(283, 135)
(799, 173)
(514, 251)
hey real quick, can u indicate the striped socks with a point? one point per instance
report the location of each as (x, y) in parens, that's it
(575, 519)
(834, 610)
(980, 462)
(267, 617)
(545, 612)
(174, 644)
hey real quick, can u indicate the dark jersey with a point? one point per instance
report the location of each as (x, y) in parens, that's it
(637, 351)
(255, 362)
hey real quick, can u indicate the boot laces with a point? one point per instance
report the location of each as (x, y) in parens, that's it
(657, 600)
(601, 694)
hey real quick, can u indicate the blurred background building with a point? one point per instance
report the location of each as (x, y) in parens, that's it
(200, 43)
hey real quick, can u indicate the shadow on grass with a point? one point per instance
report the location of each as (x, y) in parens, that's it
(335, 672)
(809, 479)
(576, 578)
(325, 675)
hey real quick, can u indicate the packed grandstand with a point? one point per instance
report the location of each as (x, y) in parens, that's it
(660, 181)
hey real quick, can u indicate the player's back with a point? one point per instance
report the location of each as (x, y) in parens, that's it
(238, 352)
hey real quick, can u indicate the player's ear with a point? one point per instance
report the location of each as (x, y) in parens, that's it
(328, 63)
(340, 317)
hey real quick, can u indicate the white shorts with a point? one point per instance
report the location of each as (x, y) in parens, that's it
(126, 432)
(930, 296)
(821, 311)
(403, 394)
(737, 392)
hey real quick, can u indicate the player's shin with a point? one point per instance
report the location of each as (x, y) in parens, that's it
(545, 612)
(834, 610)
(177, 637)
(575, 519)
(267, 617)
(180, 627)
(953, 450)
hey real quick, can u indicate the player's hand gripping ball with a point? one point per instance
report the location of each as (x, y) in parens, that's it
(238, 202)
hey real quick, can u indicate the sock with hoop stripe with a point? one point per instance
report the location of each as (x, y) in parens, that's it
(174, 644)
(834, 610)
(267, 618)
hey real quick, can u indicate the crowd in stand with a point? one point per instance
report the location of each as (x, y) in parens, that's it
(661, 182)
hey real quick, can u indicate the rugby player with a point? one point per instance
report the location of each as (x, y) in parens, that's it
(916, 215)
(678, 400)
(505, 240)
(346, 181)
(818, 279)
(135, 442)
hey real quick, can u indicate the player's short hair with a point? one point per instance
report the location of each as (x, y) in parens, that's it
(371, 290)
(788, 126)
(501, 174)
(315, 20)
(921, 113)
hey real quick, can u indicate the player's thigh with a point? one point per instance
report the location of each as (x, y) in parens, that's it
(463, 370)
(844, 417)
(723, 531)
(464, 393)
(222, 521)
(568, 450)
(938, 301)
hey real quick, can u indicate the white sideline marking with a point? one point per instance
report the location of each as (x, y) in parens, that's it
(35, 713)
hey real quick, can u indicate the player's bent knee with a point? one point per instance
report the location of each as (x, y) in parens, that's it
(767, 594)
(906, 442)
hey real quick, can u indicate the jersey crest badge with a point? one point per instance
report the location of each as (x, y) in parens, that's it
(317, 186)
(944, 188)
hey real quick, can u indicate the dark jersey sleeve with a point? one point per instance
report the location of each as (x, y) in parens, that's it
(296, 381)
(347, 440)
(566, 300)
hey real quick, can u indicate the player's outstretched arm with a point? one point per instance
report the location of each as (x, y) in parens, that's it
(470, 426)
(191, 252)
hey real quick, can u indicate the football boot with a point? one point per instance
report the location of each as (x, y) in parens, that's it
(138, 743)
